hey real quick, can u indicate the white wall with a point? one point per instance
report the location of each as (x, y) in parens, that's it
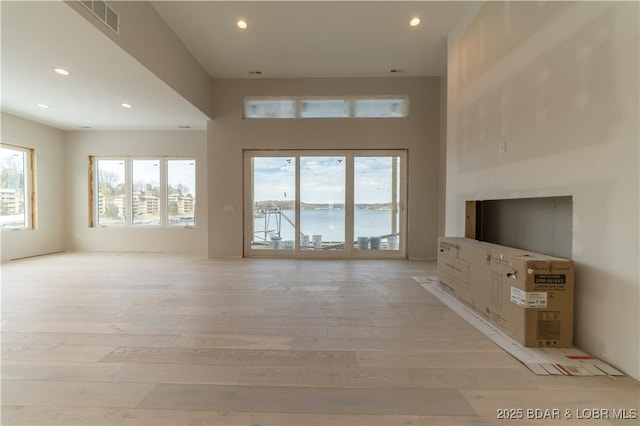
(48, 237)
(83, 144)
(146, 36)
(558, 82)
(229, 135)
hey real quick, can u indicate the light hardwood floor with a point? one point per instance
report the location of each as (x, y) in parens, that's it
(150, 339)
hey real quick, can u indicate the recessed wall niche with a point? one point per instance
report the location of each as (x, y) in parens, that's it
(542, 225)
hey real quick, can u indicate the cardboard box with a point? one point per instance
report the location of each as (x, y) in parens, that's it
(527, 295)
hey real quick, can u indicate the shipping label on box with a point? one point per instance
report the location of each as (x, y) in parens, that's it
(529, 299)
(550, 279)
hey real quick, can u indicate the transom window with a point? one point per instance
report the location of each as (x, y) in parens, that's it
(381, 107)
(144, 191)
(326, 107)
(270, 108)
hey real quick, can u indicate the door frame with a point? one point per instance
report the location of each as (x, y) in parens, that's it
(349, 252)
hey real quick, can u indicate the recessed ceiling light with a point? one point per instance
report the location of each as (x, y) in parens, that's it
(127, 106)
(414, 22)
(61, 71)
(255, 72)
(184, 127)
(43, 106)
(396, 70)
(242, 24)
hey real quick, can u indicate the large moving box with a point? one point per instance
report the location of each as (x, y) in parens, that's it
(527, 295)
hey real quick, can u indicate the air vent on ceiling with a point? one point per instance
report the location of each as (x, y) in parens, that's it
(104, 13)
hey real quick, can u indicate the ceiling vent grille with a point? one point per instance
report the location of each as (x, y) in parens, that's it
(104, 13)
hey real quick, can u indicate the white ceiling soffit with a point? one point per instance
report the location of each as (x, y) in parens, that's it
(290, 39)
(39, 36)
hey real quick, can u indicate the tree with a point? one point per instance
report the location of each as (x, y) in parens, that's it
(108, 180)
(173, 207)
(182, 189)
(138, 187)
(12, 171)
(111, 211)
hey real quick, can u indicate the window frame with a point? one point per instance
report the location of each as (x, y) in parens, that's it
(30, 200)
(164, 220)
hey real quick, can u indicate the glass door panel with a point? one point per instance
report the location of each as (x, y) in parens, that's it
(273, 203)
(376, 203)
(322, 203)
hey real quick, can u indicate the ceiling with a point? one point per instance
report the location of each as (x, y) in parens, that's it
(292, 39)
(288, 39)
(39, 36)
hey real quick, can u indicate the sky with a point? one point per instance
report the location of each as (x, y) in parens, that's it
(322, 179)
(178, 171)
(12, 158)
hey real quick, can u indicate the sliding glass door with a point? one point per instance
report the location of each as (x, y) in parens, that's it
(325, 203)
(377, 203)
(271, 209)
(322, 202)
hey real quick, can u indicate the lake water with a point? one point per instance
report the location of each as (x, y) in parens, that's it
(328, 223)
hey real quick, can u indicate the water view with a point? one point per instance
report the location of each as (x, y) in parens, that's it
(328, 223)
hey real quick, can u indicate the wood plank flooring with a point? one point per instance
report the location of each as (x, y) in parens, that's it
(152, 339)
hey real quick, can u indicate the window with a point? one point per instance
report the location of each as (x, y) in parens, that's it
(16, 188)
(381, 108)
(111, 192)
(145, 192)
(157, 192)
(181, 192)
(327, 107)
(270, 108)
(324, 108)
